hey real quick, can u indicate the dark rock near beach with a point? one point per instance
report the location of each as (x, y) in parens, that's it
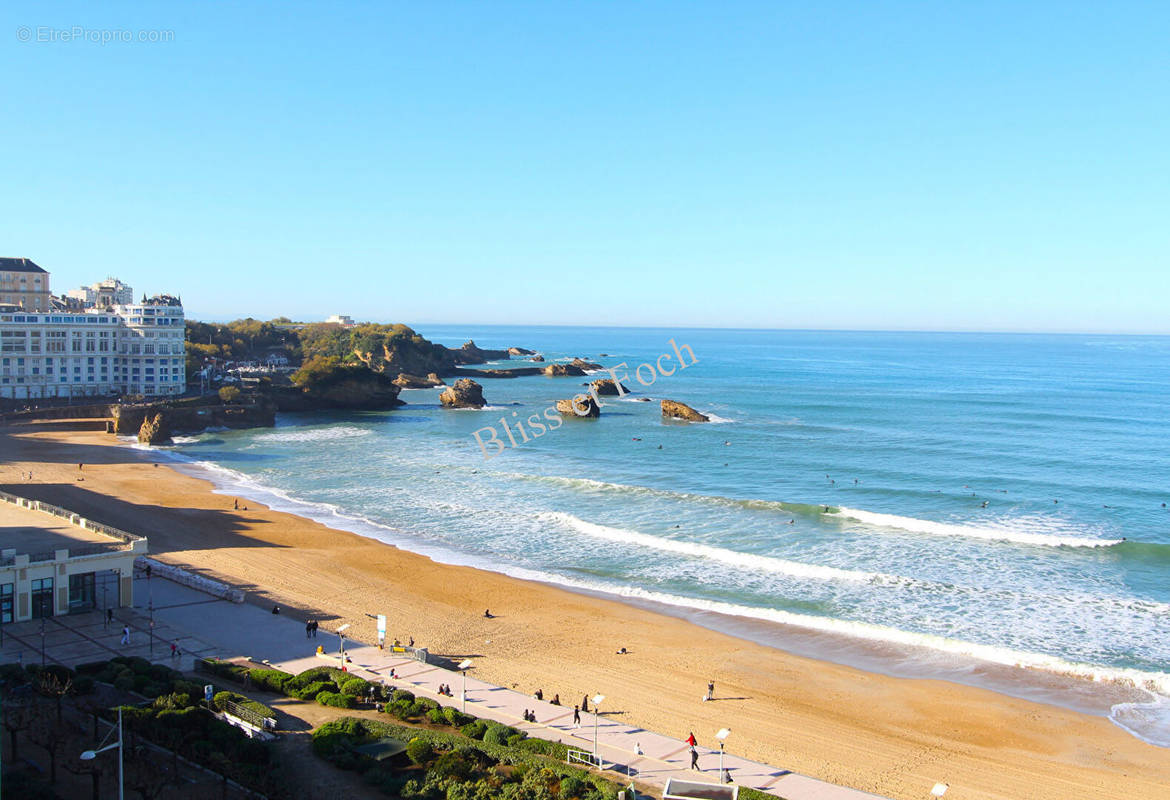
(469, 353)
(154, 430)
(465, 393)
(562, 370)
(405, 381)
(537, 358)
(644, 399)
(580, 403)
(606, 387)
(583, 364)
(674, 410)
(520, 351)
(503, 372)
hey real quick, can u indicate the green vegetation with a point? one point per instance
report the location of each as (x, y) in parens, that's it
(450, 766)
(220, 699)
(229, 394)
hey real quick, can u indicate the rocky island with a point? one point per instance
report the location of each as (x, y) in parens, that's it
(464, 393)
(672, 409)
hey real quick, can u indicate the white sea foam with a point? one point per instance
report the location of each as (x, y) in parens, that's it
(1148, 721)
(990, 532)
(746, 560)
(331, 433)
(716, 419)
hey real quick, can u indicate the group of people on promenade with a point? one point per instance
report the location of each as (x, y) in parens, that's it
(311, 628)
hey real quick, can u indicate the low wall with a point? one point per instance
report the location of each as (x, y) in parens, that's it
(198, 582)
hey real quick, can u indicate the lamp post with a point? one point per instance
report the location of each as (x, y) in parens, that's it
(464, 665)
(42, 634)
(89, 755)
(597, 699)
(341, 642)
(722, 735)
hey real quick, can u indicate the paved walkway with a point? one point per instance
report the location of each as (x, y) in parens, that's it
(204, 627)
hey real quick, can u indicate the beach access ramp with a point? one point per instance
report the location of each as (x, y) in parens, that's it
(693, 790)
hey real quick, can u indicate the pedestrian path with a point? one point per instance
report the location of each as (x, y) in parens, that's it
(207, 627)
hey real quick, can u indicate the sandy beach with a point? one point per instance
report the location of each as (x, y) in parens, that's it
(895, 737)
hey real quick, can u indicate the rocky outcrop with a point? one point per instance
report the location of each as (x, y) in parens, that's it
(562, 370)
(190, 416)
(644, 399)
(575, 406)
(465, 393)
(673, 409)
(580, 363)
(324, 385)
(520, 351)
(606, 387)
(537, 358)
(404, 381)
(504, 372)
(469, 353)
(154, 430)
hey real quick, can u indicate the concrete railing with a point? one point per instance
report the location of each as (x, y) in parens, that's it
(191, 579)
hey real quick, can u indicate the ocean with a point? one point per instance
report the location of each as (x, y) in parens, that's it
(982, 508)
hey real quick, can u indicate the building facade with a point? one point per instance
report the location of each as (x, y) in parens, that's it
(24, 284)
(95, 571)
(132, 349)
(110, 292)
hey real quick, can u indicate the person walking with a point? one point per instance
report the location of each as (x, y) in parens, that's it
(308, 629)
(109, 617)
(695, 760)
(710, 690)
(316, 625)
(585, 704)
(125, 634)
(692, 741)
(576, 716)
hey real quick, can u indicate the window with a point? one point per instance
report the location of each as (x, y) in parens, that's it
(6, 609)
(41, 591)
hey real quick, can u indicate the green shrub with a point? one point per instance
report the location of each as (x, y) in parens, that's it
(152, 689)
(545, 748)
(83, 684)
(356, 687)
(457, 718)
(336, 699)
(474, 730)
(516, 738)
(572, 786)
(498, 734)
(402, 694)
(419, 750)
(427, 703)
(311, 691)
(124, 683)
(220, 698)
(92, 667)
(272, 680)
(436, 716)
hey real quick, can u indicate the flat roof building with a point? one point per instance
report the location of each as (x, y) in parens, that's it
(54, 562)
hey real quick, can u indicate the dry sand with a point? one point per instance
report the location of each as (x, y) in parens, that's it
(892, 736)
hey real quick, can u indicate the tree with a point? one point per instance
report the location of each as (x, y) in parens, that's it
(229, 394)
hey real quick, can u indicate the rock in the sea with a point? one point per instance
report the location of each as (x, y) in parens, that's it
(562, 370)
(583, 364)
(582, 406)
(405, 381)
(537, 358)
(465, 393)
(644, 399)
(520, 351)
(154, 430)
(607, 388)
(470, 353)
(676, 410)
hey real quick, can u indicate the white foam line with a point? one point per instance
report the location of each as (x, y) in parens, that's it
(969, 531)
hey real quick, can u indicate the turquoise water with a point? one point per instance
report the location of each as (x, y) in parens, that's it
(994, 501)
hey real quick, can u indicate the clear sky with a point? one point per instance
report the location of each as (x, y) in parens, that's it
(923, 165)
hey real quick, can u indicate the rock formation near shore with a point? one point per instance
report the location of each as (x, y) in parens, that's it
(520, 351)
(569, 408)
(465, 393)
(606, 387)
(469, 353)
(673, 409)
(405, 381)
(537, 358)
(562, 370)
(154, 430)
(581, 363)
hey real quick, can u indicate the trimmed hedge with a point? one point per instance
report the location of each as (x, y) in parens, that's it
(357, 687)
(240, 700)
(336, 699)
(272, 680)
(310, 691)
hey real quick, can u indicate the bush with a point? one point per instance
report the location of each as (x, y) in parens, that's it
(336, 699)
(124, 683)
(436, 716)
(419, 750)
(229, 394)
(545, 748)
(402, 694)
(355, 687)
(400, 708)
(457, 718)
(311, 691)
(474, 730)
(272, 680)
(517, 738)
(245, 702)
(498, 734)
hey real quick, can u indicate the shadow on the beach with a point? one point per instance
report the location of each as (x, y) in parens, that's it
(717, 699)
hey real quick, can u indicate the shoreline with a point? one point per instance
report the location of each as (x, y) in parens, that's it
(891, 735)
(1068, 685)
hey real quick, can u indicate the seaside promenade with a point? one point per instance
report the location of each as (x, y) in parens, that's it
(203, 626)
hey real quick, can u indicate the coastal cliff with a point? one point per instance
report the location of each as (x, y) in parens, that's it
(189, 417)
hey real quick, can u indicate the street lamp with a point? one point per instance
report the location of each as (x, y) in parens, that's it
(722, 735)
(597, 698)
(464, 665)
(341, 642)
(89, 755)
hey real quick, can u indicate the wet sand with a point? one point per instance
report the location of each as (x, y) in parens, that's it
(892, 736)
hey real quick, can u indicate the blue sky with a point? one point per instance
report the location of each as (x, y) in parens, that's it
(954, 166)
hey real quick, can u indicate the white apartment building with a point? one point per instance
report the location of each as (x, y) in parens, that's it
(110, 292)
(24, 284)
(129, 349)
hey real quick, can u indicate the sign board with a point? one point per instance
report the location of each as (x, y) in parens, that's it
(381, 630)
(208, 692)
